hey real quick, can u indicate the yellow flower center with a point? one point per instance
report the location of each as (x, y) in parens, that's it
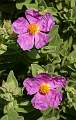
(44, 88)
(33, 28)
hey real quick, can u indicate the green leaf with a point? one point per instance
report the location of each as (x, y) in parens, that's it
(11, 80)
(64, 51)
(24, 103)
(33, 54)
(51, 114)
(50, 68)
(54, 38)
(28, 4)
(21, 110)
(51, 10)
(36, 69)
(73, 2)
(20, 118)
(59, 6)
(42, 5)
(6, 96)
(12, 114)
(4, 117)
(67, 2)
(11, 85)
(3, 48)
(8, 107)
(41, 118)
(32, 6)
(21, 4)
(72, 57)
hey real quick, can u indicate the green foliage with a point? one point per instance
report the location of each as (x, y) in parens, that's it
(11, 85)
(12, 114)
(3, 48)
(36, 69)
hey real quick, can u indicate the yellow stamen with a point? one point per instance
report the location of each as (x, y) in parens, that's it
(33, 28)
(44, 88)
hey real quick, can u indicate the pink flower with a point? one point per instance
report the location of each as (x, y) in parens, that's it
(46, 90)
(33, 30)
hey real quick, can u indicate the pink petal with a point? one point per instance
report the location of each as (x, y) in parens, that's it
(20, 25)
(43, 102)
(31, 86)
(40, 102)
(41, 39)
(55, 98)
(45, 78)
(31, 19)
(59, 81)
(46, 22)
(32, 15)
(26, 41)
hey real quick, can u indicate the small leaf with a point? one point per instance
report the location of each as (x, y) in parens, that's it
(20, 118)
(12, 82)
(12, 114)
(21, 110)
(11, 85)
(4, 117)
(72, 56)
(73, 2)
(33, 54)
(42, 5)
(3, 48)
(21, 4)
(51, 10)
(24, 103)
(36, 69)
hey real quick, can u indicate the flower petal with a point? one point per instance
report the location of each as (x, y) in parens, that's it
(40, 102)
(32, 15)
(20, 25)
(54, 98)
(41, 39)
(45, 78)
(46, 22)
(26, 41)
(59, 81)
(31, 86)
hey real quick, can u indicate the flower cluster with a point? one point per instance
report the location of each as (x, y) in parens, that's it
(32, 30)
(46, 90)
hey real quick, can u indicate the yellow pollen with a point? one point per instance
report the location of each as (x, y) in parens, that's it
(44, 88)
(33, 28)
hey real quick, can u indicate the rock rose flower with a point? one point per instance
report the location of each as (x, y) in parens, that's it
(33, 29)
(46, 90)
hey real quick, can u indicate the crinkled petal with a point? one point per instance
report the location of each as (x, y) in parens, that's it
(59, 81)
(45, 78)
(43, 102)
(20, 25)
(32, 15)
(26, 41)
(54, 98)
(31, 85)
(40, 102)
(46, 22)
(41, 39)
